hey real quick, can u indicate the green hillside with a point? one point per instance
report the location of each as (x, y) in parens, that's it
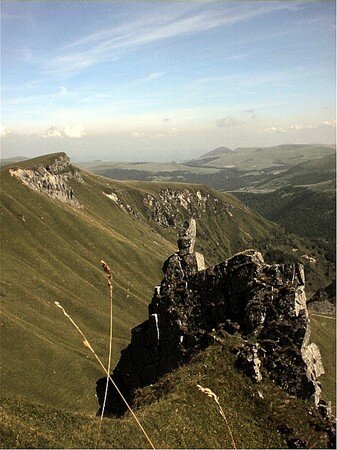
(51, 251)
(308, 173)
(176, 414)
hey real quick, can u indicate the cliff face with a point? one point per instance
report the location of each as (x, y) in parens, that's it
(265, 303)
(51, 179)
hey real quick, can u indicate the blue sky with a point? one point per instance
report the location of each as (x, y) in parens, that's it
(162, 80)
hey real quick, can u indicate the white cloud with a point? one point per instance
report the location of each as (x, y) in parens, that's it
(274, 130)
(52, 132)
(328, 123)
(296, 127)
(4, 131)
(76, 132)
(137, 134)
(299, 127)
(228, 122)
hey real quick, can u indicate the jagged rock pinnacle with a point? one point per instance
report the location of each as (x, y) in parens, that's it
(265, 303)
(186, 241)
(185, 261)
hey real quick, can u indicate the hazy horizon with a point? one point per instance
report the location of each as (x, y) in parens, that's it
(162, 81)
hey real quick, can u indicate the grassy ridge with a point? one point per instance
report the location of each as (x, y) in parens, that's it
(176, 414)
(52, 251)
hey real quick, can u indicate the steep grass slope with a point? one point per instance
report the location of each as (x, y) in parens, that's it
(51, 251)
(177, 415)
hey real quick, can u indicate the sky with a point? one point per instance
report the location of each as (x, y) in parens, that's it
(162, 81)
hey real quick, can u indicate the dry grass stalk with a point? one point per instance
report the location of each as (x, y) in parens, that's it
(87, 344)
(107, 270)
(212, 395)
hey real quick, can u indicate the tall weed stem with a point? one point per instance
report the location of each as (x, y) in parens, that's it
(212, 395)
(107, 270)
(87, 344)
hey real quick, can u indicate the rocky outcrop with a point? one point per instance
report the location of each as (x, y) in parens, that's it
(118, 197)
(51, 179)
(170, 207)
(265, 303)
(324, 300)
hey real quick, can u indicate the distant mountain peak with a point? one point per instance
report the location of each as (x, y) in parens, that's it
(217, 152)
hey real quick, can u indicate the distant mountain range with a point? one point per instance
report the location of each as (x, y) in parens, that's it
(279, 157)
(221, 168)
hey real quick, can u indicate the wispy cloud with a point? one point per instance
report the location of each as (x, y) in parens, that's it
(109, 43)
(146, 79)
(247, 80)
(47, 98)
(228, 121)
(238, 57)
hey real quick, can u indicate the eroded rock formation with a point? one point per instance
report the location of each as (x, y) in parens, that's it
(170, 207)
(265, 303)
(51, 179)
